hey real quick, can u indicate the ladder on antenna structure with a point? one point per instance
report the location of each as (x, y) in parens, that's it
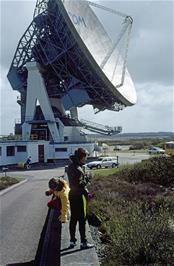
(99, 128)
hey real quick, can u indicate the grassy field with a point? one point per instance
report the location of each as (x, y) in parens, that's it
(7, 181)
(134, 210)
(110, 171)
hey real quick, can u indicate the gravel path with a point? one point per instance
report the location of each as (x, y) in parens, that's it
(99, 246)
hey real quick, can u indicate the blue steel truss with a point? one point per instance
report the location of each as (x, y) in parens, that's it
(66, 71)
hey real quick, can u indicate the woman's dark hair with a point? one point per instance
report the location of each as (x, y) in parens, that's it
(80, 153)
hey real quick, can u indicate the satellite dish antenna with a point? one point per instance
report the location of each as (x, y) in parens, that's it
(101, 52)
(65, 60)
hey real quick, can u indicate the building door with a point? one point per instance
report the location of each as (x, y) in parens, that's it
(41, 153)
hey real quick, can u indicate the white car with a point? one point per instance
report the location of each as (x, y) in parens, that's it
(156, 150)
(104, 162)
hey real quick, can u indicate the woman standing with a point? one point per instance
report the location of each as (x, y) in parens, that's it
(77, 197)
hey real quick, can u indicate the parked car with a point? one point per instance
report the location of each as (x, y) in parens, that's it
(103, 162)
(156, 150)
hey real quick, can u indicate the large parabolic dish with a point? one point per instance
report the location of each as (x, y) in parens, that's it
(90, 33)
(79, 62)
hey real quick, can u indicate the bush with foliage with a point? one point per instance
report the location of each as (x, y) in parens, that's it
(137, 146)
(140, 236)
(158, 170)
(134, 211)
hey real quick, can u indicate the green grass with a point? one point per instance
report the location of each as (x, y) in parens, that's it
(111, 171)
(105, 172)
(7, 181)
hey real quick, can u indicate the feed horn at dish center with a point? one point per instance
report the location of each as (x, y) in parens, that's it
(65, 60)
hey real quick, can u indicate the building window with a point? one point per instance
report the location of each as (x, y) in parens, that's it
(21, 148)
(60, 149)
(65, 138)
(0, 151)
(10, 151)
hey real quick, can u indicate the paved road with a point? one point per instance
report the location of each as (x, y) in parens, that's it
(131, 158)
(22, 216)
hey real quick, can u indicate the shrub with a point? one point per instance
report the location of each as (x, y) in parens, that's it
(157, 170)
(140, 237)
(137, 146)
(136, 213)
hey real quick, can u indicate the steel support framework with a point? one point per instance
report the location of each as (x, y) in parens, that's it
(50, 43)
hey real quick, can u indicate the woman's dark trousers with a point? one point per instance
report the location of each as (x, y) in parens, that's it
(78, 214)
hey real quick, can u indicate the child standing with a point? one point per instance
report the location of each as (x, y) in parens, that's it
(60, 191)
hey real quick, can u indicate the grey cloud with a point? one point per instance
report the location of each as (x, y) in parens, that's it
(153, 111)
(15, 18)
(150, 56)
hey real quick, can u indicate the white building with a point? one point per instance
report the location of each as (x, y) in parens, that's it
(15, 152)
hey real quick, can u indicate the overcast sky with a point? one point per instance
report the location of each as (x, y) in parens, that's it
(150, 62)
